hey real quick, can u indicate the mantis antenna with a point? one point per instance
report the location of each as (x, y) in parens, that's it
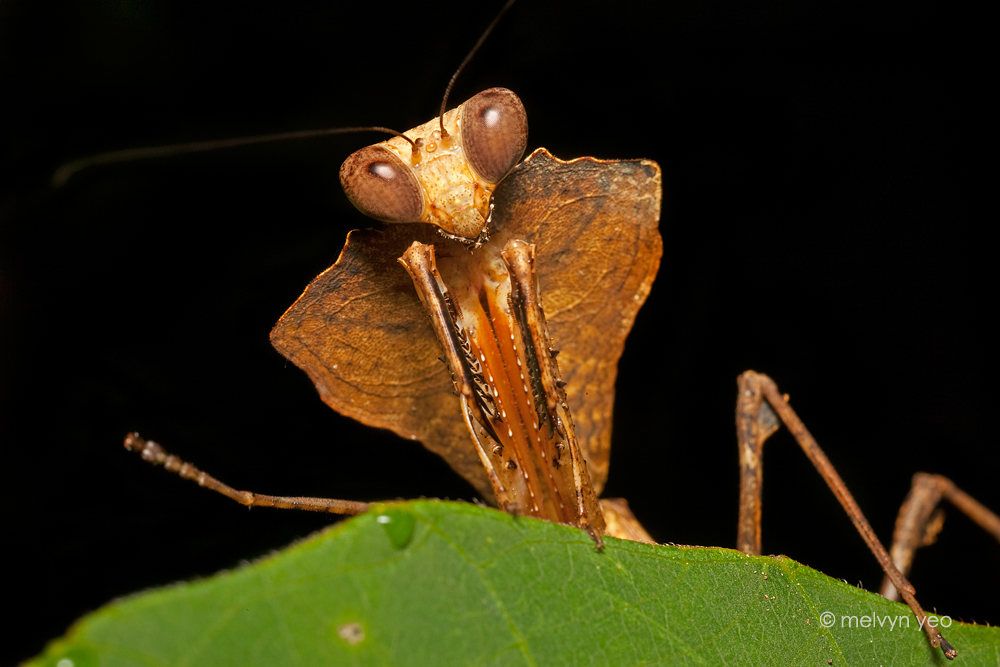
(66, 171)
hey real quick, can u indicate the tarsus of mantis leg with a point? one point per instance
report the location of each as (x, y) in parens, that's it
(154, 453)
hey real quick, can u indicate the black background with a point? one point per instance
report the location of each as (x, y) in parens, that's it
(819, 184)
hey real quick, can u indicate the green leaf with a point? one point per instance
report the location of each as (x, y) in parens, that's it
(455, 584)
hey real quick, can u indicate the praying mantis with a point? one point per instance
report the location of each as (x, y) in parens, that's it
(786, 158)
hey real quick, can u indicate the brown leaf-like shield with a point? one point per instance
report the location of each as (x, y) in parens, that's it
(361, 333)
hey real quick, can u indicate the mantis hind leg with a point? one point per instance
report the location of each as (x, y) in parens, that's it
(758, 410)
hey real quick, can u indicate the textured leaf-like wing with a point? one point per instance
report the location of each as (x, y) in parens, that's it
(594, 224)
(360, 333)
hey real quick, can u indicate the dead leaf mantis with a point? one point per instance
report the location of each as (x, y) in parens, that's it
(701, 346)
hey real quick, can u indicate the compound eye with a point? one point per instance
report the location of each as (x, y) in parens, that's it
(381, 186)
(494, 133)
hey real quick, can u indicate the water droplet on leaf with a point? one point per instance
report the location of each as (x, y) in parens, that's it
(398, 525)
